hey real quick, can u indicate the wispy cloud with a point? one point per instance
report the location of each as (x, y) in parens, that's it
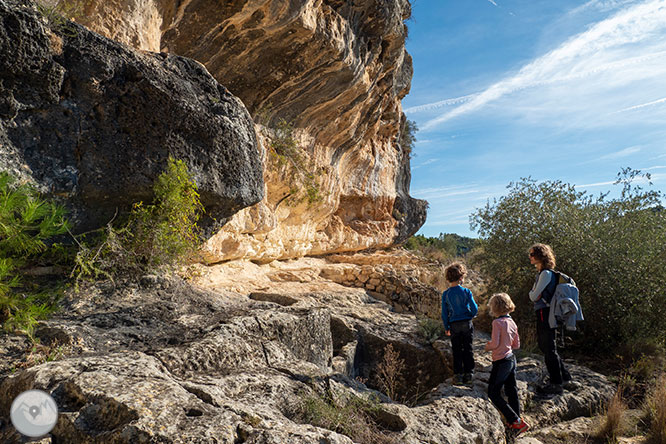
(625, 48)
(622, 153)
(598, 184)
(600, 5)
(643, 105)
(491, 1)
(427, 162)
(440, 104)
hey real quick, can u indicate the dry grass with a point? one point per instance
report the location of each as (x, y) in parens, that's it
(612, 425)
(389, 372)
(655, 407)
(350, 416)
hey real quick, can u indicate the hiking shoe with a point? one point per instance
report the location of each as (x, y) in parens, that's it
(458, 380)
(467, 378)
(550, 389)
(519, 426)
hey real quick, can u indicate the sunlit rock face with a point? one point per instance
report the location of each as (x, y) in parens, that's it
(334, 71)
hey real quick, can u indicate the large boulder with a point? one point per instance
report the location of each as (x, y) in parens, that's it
(94, 121)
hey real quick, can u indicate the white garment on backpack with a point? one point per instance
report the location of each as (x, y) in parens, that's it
(565, 307)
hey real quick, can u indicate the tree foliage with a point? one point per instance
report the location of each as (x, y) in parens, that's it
(614, 248)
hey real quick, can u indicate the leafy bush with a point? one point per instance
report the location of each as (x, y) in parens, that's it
(163, 233)
(27, 223)
(615, 249)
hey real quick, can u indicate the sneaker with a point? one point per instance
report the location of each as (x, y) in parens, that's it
(519, 426)
(467, 378)
(550, 389)
(458, 380)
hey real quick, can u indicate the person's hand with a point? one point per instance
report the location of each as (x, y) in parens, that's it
(448, 333)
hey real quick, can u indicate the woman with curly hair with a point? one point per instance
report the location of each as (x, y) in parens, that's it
(543, 258)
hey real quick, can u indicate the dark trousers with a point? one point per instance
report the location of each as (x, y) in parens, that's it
(503, 374)
(461, 344)
(548, 346)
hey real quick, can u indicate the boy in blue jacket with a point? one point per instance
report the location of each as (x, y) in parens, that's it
(458, 310)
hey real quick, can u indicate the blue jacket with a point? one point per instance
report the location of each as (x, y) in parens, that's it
(458, 305)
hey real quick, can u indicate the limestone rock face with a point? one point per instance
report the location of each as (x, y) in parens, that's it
(93, 121)
(335, 73)
(235, 360)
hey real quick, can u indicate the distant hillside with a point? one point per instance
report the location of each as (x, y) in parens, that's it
(446, 245)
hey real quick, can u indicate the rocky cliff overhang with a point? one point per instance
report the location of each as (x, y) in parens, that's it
(333, 71)
(94, 121)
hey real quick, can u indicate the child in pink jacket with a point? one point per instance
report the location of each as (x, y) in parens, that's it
(504, 340)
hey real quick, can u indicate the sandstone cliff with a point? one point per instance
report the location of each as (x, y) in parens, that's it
(335, 72)
(93, 122)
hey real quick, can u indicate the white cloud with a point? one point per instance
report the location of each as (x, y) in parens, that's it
(624, 54)
(491, 1)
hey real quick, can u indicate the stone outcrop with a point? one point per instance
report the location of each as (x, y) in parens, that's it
(163, 361)
(94, 122)
(334, 72)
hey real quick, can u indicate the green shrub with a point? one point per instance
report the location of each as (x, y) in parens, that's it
(615, 250)
(164, 233)
(27, 223)
(431, 329)
(58, 13)
(408, 136)
(351, 416)
(285, 150)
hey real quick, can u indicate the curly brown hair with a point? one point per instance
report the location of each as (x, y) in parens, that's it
(455, 272)
(544, 254)
(501, 304)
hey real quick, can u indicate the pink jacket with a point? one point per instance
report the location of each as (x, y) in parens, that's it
(504, 338)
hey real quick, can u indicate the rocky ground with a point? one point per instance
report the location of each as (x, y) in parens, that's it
(233, 354)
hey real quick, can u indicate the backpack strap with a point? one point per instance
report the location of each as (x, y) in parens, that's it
(549, 291)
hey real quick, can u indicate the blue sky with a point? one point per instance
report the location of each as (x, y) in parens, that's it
(556, 90)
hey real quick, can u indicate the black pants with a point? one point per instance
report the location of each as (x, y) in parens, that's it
(461, 343)
(503, 374)
(548, 346)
